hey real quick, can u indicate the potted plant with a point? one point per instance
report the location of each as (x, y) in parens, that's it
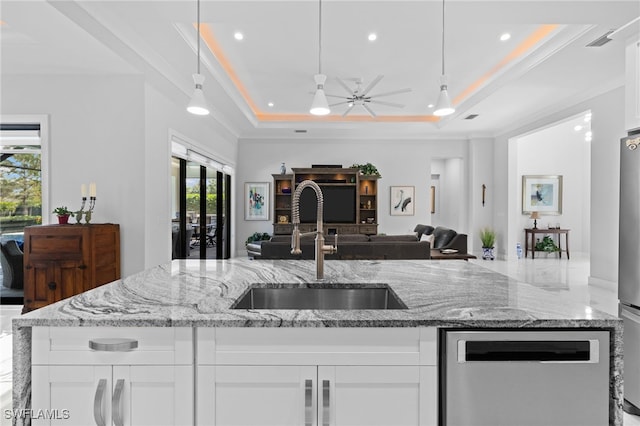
(367, 169)
(488, 238)
(257, 236)
(63, 214)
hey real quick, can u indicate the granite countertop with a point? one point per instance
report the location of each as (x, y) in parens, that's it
(200, 293)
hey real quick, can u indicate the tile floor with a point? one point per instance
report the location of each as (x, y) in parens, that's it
(566, 278)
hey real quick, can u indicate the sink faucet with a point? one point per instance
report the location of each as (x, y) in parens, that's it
(321, 248)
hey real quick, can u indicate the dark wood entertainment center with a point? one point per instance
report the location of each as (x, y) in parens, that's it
(365, 200)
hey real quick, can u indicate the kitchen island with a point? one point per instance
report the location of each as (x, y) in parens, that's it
(195, 298)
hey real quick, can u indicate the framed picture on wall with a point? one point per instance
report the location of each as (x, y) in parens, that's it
(402, 200)
(542, 194)
(256, 201)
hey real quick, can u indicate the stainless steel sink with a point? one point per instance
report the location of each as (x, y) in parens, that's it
(318, 298)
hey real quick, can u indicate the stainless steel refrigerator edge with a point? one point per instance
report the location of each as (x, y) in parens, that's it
(629, 268)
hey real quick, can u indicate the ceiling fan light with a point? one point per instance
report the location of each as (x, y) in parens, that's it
(443, 106)
(198, 104)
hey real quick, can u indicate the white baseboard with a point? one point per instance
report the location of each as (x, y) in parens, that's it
(604, 284)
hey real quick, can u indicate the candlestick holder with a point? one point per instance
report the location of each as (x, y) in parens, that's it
(87, 214)
(78, 215)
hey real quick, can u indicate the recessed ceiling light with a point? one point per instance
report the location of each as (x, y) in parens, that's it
(577, 128)
(588, 136)
(238, 35)
(430, 106)
(270, 104)
(505, 37)
(587, 117)
(372, 37)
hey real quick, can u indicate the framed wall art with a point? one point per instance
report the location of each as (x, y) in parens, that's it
(256, 201)
(402, 200)
(542, 194)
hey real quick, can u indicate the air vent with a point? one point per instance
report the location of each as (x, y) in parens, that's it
(471, 116)
(300, 131)
(602, 40)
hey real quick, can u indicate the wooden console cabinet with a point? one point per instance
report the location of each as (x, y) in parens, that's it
(63, 260)
(366, 199)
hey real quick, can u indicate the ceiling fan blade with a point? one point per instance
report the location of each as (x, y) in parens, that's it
(369, 110)
(343, 84)
(391, 104)
(373, 83)
(339, 103)
(377, 95)
(348, 110)
(335, 96)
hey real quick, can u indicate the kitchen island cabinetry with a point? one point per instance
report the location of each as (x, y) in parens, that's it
(356, 377)
(148, 382)
(184, 316)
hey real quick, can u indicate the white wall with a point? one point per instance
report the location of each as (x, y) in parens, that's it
(559, 150)
(113, 130)
(400, 162)
(607, 125)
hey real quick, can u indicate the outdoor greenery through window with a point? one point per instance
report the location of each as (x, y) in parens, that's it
(20, 191)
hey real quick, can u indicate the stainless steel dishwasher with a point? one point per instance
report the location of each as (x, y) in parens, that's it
(524, 378)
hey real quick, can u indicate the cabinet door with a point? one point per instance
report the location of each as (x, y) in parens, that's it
(71, 395)
(152, 395)
(257, 395)
(377, 395)
(48, 282)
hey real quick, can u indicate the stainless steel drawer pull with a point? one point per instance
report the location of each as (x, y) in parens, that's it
(308, 403)
(113, 345)
(116, 403)
(326, 407)
(97, 403)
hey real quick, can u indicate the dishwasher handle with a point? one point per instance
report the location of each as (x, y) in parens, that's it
(548, 351)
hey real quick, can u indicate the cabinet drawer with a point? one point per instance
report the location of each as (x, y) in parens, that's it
(55, 246)
(317, 346)
(369, 229)
(71, 345)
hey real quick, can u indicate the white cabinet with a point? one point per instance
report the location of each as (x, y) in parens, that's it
(112, 395)
(146, 383)
(632, 85)
(316, 377)
(322, 395)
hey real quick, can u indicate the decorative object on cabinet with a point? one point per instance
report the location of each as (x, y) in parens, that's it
(63, 261)
(257, 236)
(488, 238)
(63, 214)
(402, 200)
(256, 198)
(283, 169)
(542, 194)
(535, 216)
(367, 169)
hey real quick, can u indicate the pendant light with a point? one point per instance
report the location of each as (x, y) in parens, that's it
(198, 104)
(443, 106)
(320, 106)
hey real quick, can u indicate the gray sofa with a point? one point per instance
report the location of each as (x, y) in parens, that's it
(357, 246)
(350, 247)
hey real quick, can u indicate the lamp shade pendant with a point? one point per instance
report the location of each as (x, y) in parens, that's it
(443, 106)
(198, 104)
(320, 106)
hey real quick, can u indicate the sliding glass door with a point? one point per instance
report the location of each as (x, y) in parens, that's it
(202, 198)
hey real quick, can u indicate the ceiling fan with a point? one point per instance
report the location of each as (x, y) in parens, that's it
(359, 96)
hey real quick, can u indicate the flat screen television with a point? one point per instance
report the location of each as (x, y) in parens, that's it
(339, 204)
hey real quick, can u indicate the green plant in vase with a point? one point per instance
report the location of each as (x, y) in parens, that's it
(367, 169)
(63, 214)
(488, 239)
